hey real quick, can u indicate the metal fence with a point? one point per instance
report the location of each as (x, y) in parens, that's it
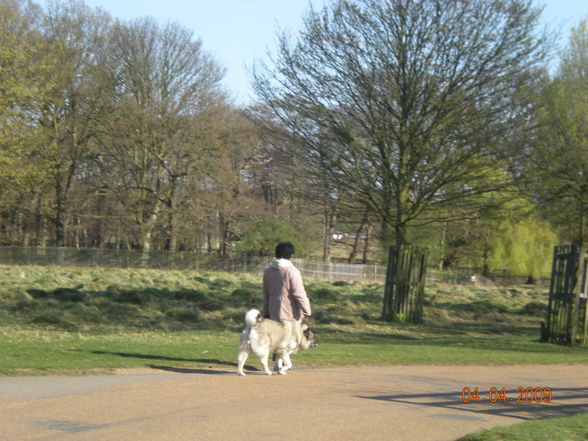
(371, 272)
(100, 257)
(123, 258)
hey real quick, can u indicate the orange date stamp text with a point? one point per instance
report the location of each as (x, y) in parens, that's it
(501, 395)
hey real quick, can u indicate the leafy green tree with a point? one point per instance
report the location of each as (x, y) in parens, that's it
(27, 69)
(524, 247)
(265, 234)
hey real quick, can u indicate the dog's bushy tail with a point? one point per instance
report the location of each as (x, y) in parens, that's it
(252, 318)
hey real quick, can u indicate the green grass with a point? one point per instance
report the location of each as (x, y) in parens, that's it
(55, 319)
(574, 428)
(44, 352)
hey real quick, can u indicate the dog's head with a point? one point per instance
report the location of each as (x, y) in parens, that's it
(309, 340)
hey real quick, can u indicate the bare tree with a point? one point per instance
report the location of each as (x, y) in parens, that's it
(230, 197)
(161, 81)
(558, 163)
(406, 104)
(77, 33)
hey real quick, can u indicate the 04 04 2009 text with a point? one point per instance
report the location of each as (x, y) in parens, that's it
(501, 395)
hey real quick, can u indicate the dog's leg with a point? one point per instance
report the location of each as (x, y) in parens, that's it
(242, 357)
(279, 364)
(263, 358)
(287, 362)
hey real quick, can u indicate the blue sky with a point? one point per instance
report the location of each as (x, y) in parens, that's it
(238, 32)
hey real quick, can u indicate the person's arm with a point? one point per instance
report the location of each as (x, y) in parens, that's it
(299, 293)
(265, 312)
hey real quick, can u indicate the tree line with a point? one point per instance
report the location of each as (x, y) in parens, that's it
(117, 134)
(429, 122)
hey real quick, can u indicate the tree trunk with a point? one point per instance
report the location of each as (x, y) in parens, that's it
(442, 247)
(40, 238)
(58, 222)
(357, 239)
(329, 225)
(172, 240)
(61, 199)
(400, 236)
(582, 228)
(146, 240)
(364, 260)
(209, 242)
(147, 228)
(223, 224)
(405, 284)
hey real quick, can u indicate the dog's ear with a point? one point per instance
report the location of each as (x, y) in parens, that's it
(304, 328)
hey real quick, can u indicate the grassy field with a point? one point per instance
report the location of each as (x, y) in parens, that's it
(574, 428)
(84, 320)
(75, 320)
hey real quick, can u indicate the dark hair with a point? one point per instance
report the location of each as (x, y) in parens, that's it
(284, 250)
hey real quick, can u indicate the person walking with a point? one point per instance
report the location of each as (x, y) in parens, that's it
(284, 296)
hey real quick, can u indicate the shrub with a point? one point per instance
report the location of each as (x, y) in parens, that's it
(264, 234)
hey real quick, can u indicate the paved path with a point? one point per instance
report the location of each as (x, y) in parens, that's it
(404, 403)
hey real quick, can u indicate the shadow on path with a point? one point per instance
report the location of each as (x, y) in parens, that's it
(565, 402)
(181, 370)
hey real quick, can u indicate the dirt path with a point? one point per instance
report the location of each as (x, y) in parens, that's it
(405, 403)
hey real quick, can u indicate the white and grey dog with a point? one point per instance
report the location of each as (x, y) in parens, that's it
(264, 337)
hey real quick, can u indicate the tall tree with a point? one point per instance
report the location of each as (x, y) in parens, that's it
(160, 80)
(406, 103)
(559, 161)
(522, 245)
(27, 69)
(70, 111)
(229, 196)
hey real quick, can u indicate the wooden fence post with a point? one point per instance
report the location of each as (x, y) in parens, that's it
(567, 314)
(405, 284)
(579, 332)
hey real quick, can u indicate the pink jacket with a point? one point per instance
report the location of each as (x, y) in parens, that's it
(284, 297)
